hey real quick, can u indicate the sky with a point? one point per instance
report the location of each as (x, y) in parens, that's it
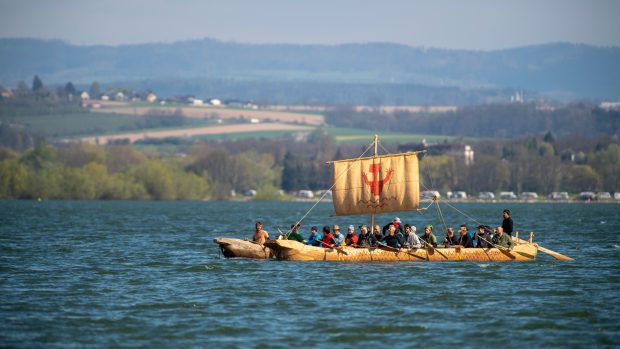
(455, 24)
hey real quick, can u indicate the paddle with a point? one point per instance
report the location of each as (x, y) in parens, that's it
(432, 249)
(337, 248)
(553, 254)
(501, 248)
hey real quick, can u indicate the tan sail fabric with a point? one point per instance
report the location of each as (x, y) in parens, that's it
(376, 184)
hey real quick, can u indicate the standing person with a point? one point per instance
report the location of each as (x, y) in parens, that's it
(428, 237)
(365, 238)
(465, 239)
(501, 239)
(507, 223)
(450, 239)
(315, 237)
(295, 235)
(351, 238)
(338, 238)
(328, 238)
(411, 238)
(260, 236)
(397, 224)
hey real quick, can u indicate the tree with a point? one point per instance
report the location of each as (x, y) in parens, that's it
(607, 164)
(295, 173)
(70, 89)
(438, 172)
(581, 178)
(95, 90)
(13, 176)
(157, 180)
(37, 84)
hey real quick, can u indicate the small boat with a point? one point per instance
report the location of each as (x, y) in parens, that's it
(295, 251)
(232, 248)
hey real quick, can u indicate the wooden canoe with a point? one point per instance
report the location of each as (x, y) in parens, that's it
(295, 251)
(232, 248)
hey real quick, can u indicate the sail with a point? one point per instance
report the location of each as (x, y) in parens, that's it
(376, 184)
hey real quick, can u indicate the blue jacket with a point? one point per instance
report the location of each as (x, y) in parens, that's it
(313, 237)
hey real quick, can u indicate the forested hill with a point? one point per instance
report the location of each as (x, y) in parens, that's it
(569, 70)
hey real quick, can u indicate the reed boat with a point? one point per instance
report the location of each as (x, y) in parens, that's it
(295, 251)
(373, 185)
(232, 248)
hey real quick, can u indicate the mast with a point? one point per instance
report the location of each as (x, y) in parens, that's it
(372, 215)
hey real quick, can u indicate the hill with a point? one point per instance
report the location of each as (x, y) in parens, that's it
(391, 73)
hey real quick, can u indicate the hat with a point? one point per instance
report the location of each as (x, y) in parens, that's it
(396, 220)
(430, 226)
(336, 227)
(413, 228)
(351, 227)
(363, 226)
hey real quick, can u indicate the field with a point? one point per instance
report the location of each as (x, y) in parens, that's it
(191, 132)
(217, 113)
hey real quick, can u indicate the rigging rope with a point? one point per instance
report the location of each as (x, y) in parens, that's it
(330, 188)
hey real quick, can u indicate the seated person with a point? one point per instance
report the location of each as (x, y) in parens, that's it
(484, 236)
(260, 236)
(377, 232)
(295, 235)
(428, 237)
(338, 238)
(465, 239)
(351, 238)
(397, 224)
(411, 239)
(450, 239)
(501, 239)
(328, 238)
(365, 238)
(391, 239)
(315, 237)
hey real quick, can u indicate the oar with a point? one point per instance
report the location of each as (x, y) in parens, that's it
(337, 248)
(501, 248)
(430, 249)
(553, 254)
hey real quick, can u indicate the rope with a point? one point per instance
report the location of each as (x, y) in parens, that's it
(463, 213)
(330, 188)
(440, 215)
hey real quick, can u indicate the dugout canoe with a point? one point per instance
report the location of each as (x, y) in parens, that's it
(295, 251)
(234, 248)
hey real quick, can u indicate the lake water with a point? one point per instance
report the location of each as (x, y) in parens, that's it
(147, 274)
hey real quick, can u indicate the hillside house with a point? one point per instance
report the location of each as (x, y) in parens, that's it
(84, 96)
(151, 98)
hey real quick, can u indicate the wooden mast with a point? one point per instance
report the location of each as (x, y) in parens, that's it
(372, 215)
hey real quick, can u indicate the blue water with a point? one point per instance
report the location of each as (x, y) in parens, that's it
(147, 274)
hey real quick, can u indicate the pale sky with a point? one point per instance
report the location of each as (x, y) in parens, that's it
(464, 24)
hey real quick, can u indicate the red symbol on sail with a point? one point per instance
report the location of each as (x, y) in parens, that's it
(376, 185)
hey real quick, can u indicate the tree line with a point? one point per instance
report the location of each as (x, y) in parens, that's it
(487, 121)
(218, 169)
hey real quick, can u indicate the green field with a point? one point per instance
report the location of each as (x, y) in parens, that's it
(86, 124)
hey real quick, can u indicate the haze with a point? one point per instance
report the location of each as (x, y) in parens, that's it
(477, 24)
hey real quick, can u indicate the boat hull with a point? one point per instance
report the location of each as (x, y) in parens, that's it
(295, 251)
(237, 248)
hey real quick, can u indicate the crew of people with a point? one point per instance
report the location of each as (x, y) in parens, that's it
(396, 235)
